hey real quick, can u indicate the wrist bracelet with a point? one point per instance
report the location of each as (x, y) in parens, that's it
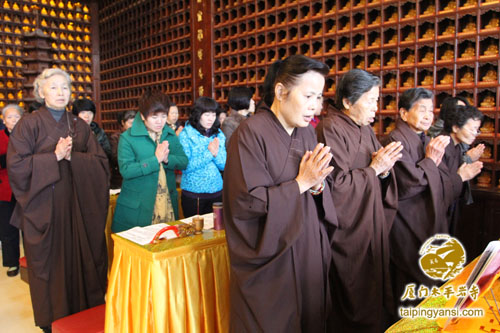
(385, 175)
(319, 191)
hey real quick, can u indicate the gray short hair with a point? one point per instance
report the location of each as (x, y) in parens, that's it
(40, 80)
(12, 106)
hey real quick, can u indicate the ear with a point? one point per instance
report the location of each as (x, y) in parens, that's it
(346, 103)
(280, 91)
(403, 114)
(40, 92)
(455, 128)
(142, 117)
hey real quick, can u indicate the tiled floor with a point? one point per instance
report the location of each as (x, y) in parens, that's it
(16, 314)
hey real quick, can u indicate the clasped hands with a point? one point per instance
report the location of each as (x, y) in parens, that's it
(383, 159)
(162, 152)
(314, 168)
(63, 148)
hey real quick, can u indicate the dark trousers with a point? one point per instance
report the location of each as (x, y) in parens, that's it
(189, 205)
(9, 235)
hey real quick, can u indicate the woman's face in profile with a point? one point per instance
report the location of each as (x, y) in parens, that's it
(56, 92)
(127, 124)
(156, 121)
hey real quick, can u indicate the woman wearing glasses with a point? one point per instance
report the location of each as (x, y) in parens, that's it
(462, 125)
(59, 176)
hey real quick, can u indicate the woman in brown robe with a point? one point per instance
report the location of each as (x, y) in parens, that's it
(59, 175)
(425, 191)
(277, 209)
(364, 192)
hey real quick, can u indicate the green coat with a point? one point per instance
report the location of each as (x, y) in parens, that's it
(140, 169)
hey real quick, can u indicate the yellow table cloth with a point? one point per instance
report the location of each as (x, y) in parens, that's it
(179, 285)
(488, 323)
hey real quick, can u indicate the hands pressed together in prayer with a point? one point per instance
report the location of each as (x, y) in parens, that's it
(314, 167)
(213, 147)
(476, 152)
(436, 147)
(469, 171)
(162, 151)
(383, 159)
(63, 148)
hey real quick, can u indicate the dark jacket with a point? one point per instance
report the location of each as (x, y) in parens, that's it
(101, 138)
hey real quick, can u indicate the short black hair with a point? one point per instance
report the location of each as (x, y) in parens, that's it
(239, 98)
(353, 85)
(34, 106)
(287, 72)
(83, 104)
(124, 116)
(460, 116)
(410, 96)
(153, 101)
(202, 105)
(450, 104)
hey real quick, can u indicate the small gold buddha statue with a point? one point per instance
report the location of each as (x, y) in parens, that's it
(347, 26)
(410, 82)
(346, 47)
(347, 5)
(451, 5)
(428, 57)
(468, 77)
(493, 23)
(410, 37)
(391, 84)
(486, 153)
(430, 10)
(346, 67)
(375, 63)
(393, 40)
(376, 41)
(392, 61)
(360, 3)
(361, 65)
(470, 26)
(447, 55)
(488, 102)
(427, 81)
(412, 13)
(470, 3)
(361, 44)
(429, 33)
(469, 52)
(332, 29)
(450, 30)
(394, 17)
(492, 50)
(490, 76)
(361, 23)
(377, 20)
(484, 179)
(447, 79)
(390, 127)
(375, 127)
(410, 59)
(391, 105)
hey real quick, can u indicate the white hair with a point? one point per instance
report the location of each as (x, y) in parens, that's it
(12, 106)
(47, 73)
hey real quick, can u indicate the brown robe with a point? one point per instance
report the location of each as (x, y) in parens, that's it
(366, 206)
(61, 209)
(277, 238)
(425, 192)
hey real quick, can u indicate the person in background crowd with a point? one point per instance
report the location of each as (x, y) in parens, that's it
(125, 120)
(148, 154)
(222, 115)
(316, 119)
(363, 187)
(55, 165)
(448, 106)
(277, 208)
(204, 145)
(85, 109)
(425, 190)
(173, 119)
(9, 235)
(241, 106)
(34, 106)
(2, 125)
(462, 126)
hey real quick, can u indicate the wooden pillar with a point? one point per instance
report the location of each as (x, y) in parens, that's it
(202, 38)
